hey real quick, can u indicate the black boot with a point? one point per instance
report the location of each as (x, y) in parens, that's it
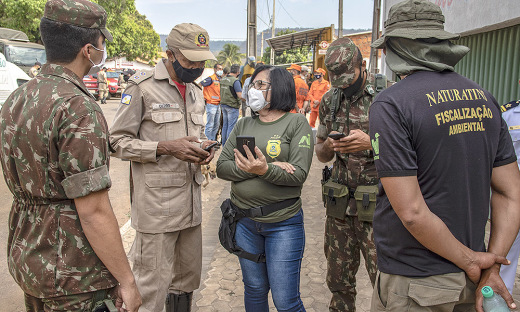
(178, 303)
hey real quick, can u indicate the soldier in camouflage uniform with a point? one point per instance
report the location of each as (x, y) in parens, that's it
(345, 235)
(64, 246)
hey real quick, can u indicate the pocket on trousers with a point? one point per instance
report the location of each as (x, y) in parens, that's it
(426, 295)
(144, 257)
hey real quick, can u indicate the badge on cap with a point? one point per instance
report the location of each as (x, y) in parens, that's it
(201, 41)
(125, 99)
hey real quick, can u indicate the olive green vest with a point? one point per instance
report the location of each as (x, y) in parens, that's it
(226, 95)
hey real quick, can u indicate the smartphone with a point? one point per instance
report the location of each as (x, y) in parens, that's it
(248, 141)
(337, 136)
(209, 147)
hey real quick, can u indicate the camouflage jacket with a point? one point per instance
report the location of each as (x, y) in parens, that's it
(355, 168)
(54, 141)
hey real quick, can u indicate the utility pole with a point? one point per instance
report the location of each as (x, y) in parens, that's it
(375, 35)
(340, 19)
(262, 46)
(251, 28)
(272, 35)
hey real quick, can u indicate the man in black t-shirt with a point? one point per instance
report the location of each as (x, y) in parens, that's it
(439, 144)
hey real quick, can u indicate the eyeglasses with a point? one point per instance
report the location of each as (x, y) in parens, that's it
(260, 84)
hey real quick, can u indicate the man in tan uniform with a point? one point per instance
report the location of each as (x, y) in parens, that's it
(158, 126)
(102, 85)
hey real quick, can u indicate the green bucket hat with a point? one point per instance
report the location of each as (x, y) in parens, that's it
(338, 61)
(81, 13)
(414, 19)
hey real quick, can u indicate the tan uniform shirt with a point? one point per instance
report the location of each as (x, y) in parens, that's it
(102, 80)
(166, 195)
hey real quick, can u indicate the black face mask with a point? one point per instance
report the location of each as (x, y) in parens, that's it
(187, 75)
(354, 88)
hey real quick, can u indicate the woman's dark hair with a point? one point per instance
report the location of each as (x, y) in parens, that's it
(283, 92)
(64, 41)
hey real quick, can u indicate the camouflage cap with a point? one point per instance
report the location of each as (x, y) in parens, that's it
(192, 40)
(338, 61)
(81, 13)
(414, 19)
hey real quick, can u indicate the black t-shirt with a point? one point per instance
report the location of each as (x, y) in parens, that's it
(446, 130)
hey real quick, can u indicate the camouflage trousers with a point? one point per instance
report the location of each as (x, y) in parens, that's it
(79, 302)
(344, 239)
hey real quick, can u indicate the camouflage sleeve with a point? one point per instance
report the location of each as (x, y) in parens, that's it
(322, 131)
(124, 131)
(84, 155)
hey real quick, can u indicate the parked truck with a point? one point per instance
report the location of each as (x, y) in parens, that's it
(17, 49)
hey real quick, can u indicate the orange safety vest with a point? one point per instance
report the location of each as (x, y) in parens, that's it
(212, 92)
(318, 89)
(302, 90)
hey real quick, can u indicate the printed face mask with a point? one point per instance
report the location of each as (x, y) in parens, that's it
(97, 67)
(256, 99)
(187, 75)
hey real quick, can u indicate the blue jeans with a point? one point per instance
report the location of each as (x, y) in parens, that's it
(229, 119)
(283, 244)
(212, 121)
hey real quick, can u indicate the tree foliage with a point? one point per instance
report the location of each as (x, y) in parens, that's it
(295, 55)
(230, 55)
(134, 36)
(23, 15)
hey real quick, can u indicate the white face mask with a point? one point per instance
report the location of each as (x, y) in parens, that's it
(256, 99)
(97, 67)
(220, 73)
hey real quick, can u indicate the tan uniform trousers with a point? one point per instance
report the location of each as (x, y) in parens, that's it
(166, 262)
(103, 90)
(438, 293)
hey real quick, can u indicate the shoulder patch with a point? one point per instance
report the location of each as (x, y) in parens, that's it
(369, 89)
(141, 76)
(125, 99)
(509, 105)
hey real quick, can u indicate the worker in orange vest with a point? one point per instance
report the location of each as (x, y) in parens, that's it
(318, 88)
(302, 89)
(212, 96)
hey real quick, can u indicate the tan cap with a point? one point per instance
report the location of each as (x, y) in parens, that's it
(192, 40)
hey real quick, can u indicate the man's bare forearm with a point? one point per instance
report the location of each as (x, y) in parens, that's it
(102, 231)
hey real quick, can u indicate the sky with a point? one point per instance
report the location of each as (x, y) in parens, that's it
(227, 19)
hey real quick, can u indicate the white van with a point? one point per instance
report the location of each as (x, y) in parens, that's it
(11, 77)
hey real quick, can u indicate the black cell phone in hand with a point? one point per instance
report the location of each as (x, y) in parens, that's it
(337, 136)
(209, 147)
(248, 141)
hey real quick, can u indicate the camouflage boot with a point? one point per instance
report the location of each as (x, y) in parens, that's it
(178, 303)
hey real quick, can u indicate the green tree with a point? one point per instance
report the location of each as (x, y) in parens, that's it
(295, 55)
(134, 36)
(23, 15)
(230, 55)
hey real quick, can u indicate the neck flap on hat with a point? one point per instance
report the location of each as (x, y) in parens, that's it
(404, 56)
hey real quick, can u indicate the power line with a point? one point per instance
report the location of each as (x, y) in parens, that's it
(260, 19)
(289, 14)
